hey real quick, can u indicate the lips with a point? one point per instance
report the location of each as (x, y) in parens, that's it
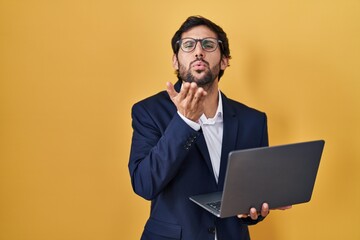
(199, 65)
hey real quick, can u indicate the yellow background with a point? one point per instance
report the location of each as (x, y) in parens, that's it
(70, 71)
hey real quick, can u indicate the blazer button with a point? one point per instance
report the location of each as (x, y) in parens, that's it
(211, 230)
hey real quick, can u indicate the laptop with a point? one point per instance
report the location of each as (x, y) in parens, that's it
(279, 175)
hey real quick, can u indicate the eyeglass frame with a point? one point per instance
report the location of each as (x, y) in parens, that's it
(218, 42)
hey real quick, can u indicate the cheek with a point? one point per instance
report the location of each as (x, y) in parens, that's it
(184, 59)
(182, 68)
(182, 65)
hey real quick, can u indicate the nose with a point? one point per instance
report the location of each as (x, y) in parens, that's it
(199, 51)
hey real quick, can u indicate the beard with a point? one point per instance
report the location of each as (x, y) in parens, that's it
(206, 80)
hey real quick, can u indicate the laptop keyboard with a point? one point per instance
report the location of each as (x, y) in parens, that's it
(215, 205)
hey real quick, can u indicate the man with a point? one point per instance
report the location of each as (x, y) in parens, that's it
(182, 138)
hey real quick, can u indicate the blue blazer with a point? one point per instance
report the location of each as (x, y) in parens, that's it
(169, 162)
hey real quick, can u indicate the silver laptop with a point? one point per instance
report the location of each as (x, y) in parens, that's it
(279, 175)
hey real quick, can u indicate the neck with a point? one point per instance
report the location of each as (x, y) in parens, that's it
(212, 100)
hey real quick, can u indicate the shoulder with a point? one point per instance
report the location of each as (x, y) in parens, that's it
(155, 106)
(157, 100)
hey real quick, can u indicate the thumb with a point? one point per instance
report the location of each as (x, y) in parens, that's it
(171, 90)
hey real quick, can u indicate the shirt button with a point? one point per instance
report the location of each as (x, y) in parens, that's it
(211, 230)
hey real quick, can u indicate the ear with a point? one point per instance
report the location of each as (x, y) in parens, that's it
(224, 63)
(175, 62)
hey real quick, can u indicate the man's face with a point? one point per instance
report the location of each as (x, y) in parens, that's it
(199, 65)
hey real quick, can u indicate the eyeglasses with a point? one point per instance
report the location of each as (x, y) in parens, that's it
(208, 44)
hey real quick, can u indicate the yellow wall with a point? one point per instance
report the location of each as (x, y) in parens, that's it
(70, 71)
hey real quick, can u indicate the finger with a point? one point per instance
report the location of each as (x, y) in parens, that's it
(242, 215)
(184, 91)
(191, 93)
(265, 210)
(253, 214)
(200, 94)
(171, 90)
(198, 97)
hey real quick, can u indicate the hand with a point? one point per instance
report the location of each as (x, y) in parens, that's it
(254, 214)
(189, 101)
(264, 211)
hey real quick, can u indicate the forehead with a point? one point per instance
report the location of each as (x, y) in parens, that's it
(199, 32)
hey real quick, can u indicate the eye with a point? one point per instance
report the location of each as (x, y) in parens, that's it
(188, 44)
(208, 44)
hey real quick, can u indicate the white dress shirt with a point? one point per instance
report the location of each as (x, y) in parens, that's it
(213, 132)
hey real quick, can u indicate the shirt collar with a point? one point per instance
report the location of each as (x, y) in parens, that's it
(218, 115)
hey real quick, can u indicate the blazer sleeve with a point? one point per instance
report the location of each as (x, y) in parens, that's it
(160, 143)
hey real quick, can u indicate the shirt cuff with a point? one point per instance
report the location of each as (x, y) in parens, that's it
(192, 124)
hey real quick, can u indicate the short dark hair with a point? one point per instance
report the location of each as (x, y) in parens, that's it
(194, 21)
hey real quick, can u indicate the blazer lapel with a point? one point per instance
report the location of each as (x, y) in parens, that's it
(201, 144)
(231, 125)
